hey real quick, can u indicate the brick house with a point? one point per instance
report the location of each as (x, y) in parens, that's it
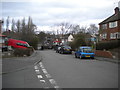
(110, 27)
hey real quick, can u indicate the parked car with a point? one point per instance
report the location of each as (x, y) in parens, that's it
(58, 49)
(84, 52)
(65, 49)
(3, 46)
(17, 43)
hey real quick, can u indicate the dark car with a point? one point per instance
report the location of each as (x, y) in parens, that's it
(65, 49)
(58, 49)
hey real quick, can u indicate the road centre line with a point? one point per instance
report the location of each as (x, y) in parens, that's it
(43, 81)
(45, 71)
(48, 76)
(36, 67)
(37, 70)
(39, 76)
(52, 81)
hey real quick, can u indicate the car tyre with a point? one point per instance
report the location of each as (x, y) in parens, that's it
(62, 52)
(80, 57)
(76, 56)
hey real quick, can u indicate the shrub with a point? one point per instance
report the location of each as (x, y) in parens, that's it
(107, 45)
(22, 52)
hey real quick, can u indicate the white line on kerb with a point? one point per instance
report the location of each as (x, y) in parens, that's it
(39, 76)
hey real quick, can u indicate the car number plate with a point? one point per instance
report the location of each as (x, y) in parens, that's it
(87, 56)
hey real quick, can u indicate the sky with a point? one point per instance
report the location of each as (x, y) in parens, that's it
(47, 13)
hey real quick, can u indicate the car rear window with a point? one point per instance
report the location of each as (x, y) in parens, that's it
(67, 47)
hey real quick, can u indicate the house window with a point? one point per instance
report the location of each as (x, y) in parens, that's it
(104, 36)
(104, 26)
(118, 35)
(113, 24)
(113, 36)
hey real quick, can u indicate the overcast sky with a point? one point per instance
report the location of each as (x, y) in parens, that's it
(46, 13)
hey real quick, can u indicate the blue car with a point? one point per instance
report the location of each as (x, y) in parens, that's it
(84, 52)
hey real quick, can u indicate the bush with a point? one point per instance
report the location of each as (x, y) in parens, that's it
(79, 40)
(107, 45)
(22, 52)
(33, 42)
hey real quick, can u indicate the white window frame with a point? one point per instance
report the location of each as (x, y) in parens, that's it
(113, 35)
(118, 35)
(113, 24)
(104, 36)
(104, 26)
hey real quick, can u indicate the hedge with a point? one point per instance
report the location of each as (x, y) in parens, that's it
(22, 52)
(108, 45)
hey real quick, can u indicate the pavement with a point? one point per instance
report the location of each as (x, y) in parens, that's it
(108, 59)
(20, 70)
(19, 63)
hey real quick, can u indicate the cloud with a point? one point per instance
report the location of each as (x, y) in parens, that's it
(49, 12)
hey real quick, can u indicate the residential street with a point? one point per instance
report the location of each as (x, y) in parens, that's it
(58, 71)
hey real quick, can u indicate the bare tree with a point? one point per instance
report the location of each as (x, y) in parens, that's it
(65, 28)
(93, 29)
(77, 29)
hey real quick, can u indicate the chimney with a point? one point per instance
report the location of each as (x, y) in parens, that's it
(116, 10)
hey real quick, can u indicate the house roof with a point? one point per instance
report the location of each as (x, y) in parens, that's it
(114, 17)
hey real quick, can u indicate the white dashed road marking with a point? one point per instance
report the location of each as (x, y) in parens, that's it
(47, 75)
(44, 71)
(52, 81)
(39, 76)
(36, 67)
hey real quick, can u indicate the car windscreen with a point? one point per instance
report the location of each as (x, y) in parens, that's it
(67, 47)
(22, 44)
(87, 50)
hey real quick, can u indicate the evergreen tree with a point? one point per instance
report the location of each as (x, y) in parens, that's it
(7, 23)
(13, 25)
(18, 26)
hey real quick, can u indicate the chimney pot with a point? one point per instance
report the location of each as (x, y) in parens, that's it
(116, 10)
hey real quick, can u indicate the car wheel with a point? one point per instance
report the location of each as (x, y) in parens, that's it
(80, 57)
(76, 56)
(62, 52)
(92, 58)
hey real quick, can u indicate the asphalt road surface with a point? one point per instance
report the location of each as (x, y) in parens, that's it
(58, 71)
(70, 72)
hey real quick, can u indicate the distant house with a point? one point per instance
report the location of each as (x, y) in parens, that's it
(70, 38)
(66, 39)
(110, 27)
